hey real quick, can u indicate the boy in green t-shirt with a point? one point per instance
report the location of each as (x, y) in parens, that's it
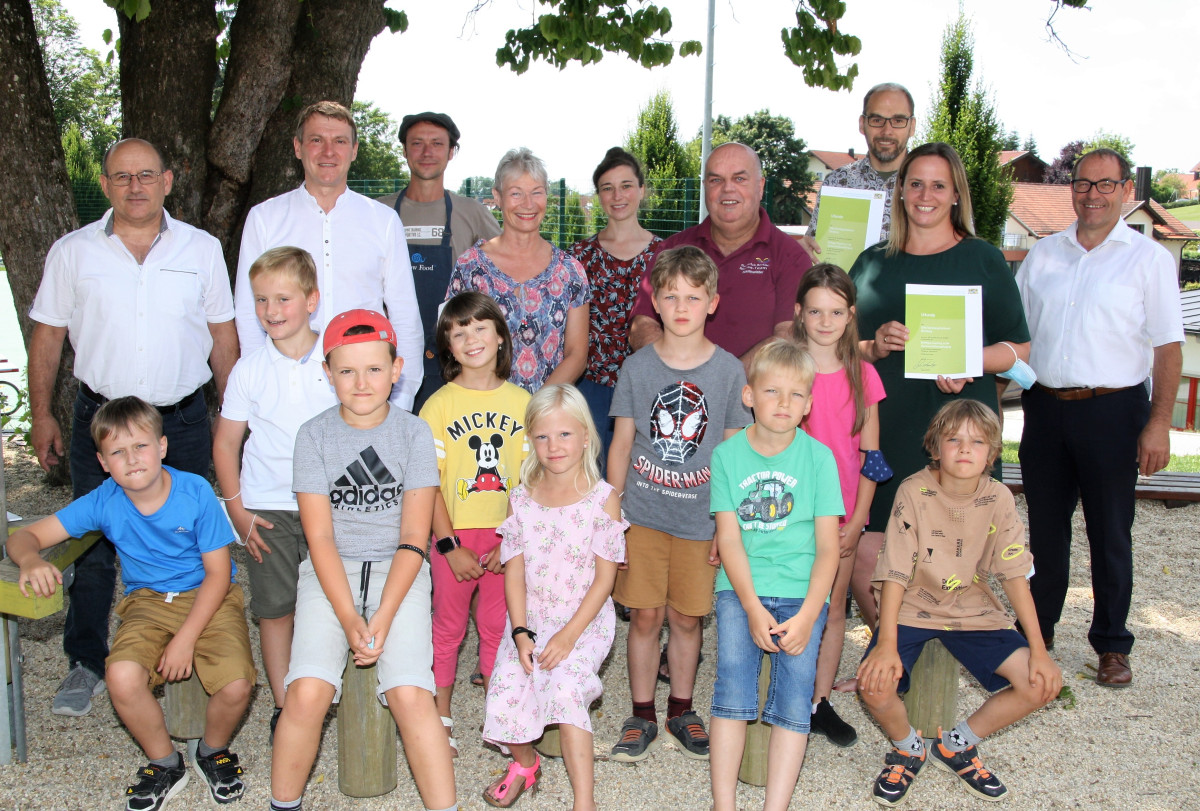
(777, 499)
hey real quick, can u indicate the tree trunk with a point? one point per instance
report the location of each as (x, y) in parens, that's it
(331, 42)
(39, 207)
(168, 70)
(260, 63)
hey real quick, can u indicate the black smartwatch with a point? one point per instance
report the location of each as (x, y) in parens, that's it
(446, 545)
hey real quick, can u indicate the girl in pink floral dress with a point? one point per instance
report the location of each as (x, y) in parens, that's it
(561, 545)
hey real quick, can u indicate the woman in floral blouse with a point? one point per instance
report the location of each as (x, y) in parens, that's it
(615, 259)
(542, 290)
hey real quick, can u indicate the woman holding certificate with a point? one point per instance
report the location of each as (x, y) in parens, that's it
(956, 350)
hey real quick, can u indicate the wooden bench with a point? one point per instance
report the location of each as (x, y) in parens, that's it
(366, 736)
(13, 606)
(1173, 489)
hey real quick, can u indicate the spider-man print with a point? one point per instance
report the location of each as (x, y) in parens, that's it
(678, 421)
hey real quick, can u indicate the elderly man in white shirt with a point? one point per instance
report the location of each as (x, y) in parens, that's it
(146, 302)
(1102, 302)
(358, 244)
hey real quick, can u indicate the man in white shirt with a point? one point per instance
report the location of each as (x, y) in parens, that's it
(146, 302)
(1102, 302)
(357, 244)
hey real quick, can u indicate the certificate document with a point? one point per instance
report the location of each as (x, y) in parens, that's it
(850, 222)
(945, 330)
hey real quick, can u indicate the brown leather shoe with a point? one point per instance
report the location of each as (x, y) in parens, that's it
(1114, 670)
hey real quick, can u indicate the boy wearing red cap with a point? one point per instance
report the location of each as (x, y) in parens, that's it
(365, 475)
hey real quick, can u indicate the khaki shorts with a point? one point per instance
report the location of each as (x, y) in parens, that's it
(148, 623)
(665, 570)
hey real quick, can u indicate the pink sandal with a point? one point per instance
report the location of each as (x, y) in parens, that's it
(497, 794)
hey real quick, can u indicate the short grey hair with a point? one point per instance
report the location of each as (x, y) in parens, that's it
(517, 162)
(889, 87)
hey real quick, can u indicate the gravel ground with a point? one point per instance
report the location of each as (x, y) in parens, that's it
(1058, 758)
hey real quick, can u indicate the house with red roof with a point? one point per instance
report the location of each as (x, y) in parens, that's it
(821, 163)
(1025, 166)
(1041, 209)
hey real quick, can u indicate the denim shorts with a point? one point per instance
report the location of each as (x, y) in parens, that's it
(739, 661)
(980, 652)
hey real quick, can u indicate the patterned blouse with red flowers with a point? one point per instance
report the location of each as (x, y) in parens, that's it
(535, 310)
(614, 285)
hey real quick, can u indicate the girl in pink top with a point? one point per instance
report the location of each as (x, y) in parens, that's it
(844, 418)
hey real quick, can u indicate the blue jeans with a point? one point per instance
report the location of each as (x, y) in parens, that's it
(189, 448)
(739, 661)
(599, 400)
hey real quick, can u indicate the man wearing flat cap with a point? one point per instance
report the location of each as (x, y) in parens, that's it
(438, 224)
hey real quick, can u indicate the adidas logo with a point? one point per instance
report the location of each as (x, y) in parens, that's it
(366, 486)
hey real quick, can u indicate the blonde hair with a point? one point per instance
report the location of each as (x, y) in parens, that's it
(779, 353)
(294, 264)
(688, 261)
(567, 398)
(953, 415)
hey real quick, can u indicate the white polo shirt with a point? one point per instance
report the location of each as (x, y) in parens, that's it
(362, 262)
(1095, 316)
(137, 330)
(275, 395)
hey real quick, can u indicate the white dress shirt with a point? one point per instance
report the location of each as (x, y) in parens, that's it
(275, 395)
(138, 330)
(362, 262)
(1095, 316)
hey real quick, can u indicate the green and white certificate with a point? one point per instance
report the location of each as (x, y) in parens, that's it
(945, 331)
(850, 222)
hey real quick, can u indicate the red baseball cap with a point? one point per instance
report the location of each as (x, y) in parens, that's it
(335, 333)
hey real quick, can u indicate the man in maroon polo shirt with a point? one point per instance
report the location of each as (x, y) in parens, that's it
(760, 266)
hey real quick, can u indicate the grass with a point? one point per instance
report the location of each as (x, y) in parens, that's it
(1178, 464)
(1186, 212)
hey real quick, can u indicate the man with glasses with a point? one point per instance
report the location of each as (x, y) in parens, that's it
(1102, 302)
(146, 302)
(887, 122)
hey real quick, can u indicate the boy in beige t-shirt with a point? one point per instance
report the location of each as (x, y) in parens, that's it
(950, 528)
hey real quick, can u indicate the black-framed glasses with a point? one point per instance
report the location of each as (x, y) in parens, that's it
(1104, 186)
(147, 177)
(898, 122)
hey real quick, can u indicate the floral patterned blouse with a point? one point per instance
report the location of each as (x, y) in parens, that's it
(536, 309)
(614, 285)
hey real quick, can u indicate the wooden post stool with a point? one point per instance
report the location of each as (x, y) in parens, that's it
(366, 736)
(932, 698)
(758, 735)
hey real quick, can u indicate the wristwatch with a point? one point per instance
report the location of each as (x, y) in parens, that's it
(446, 545)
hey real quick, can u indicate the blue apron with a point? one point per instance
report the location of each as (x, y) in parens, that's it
(431, 267)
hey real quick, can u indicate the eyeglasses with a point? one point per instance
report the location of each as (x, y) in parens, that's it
(147, 177)
(898, 122)
(1104, 186)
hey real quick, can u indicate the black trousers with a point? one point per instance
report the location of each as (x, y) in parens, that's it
(1083, 449)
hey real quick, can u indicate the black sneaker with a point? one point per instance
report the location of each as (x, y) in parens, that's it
(222, 774)
(638, 738)
(274, 723)
(899, 770)
(155, 786)
(967, 765)
(825, 721)
(688, 731)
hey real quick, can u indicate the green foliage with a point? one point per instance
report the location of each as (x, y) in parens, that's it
(815, 42)
(1011, 141)
(379, 152)
(396, 21)
(1113, 141)
(477, 186)
(1167, 185)
(784, 158)
(83, 89)
(655, 143)
(1030, 145)
(966, 119)
(566, 222)
(583, 30)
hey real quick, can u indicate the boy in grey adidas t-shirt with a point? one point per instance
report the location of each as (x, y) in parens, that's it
(365, 475)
